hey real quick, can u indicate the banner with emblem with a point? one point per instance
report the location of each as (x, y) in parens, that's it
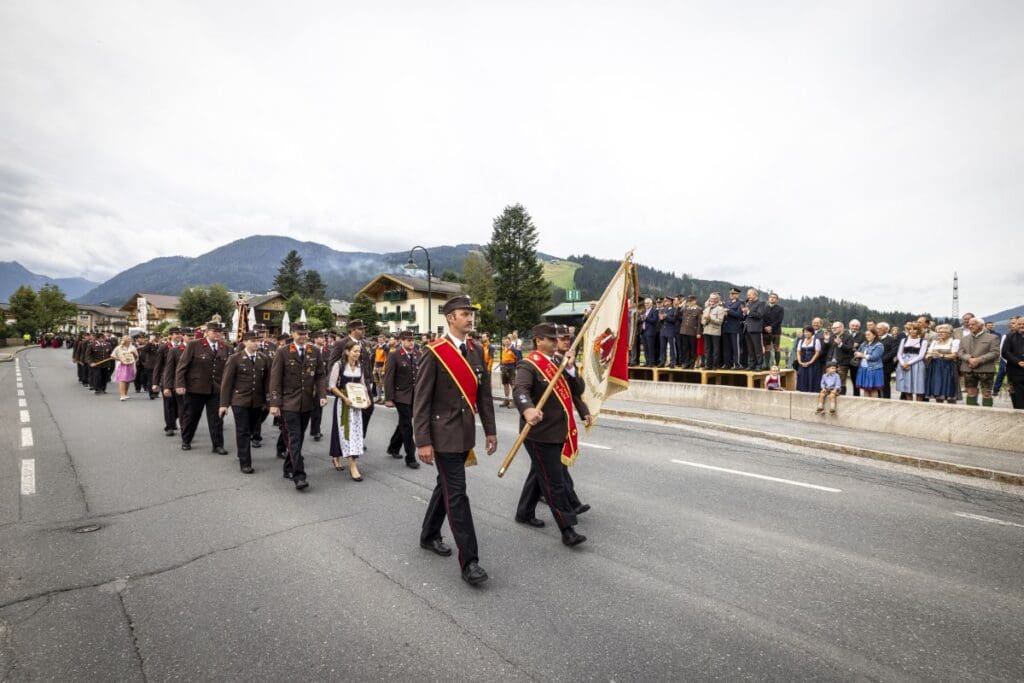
(606, 339)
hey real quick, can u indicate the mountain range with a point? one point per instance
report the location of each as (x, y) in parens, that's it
(14, 275)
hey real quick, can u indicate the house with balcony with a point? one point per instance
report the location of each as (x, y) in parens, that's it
(402, 302)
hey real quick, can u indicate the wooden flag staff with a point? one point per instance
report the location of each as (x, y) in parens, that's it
(571, 353)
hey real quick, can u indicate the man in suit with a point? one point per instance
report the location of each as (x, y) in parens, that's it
(667, 334)
(649, 332)
(979, 356)
(197, 377)
(753, 327)
(857, 336)
(399, 385)
(839, 352)
(163, 378)
(451, 387)
(550, 434)
(732, 331)
(244, 391)
(772, 338)
(890, 347)
(1013, 354)
(298, 382)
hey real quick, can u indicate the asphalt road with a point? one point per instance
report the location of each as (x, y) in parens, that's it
(198, 572)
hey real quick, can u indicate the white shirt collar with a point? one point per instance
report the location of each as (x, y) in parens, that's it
(455, 340)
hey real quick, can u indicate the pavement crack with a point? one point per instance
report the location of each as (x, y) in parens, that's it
(135, 640)
(67, 451)
(129, 511)
(451, 617)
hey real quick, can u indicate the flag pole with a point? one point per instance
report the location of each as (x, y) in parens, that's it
(571, 353)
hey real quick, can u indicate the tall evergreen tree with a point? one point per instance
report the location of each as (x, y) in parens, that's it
(364, 309)
(289, 278)
(313, 286)
(519, 276)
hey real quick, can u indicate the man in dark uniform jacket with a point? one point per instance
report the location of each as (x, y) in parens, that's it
(890, 347)
(732, 331)
(689, 329)
(1013, 354)
(298, 381)
(754, 311)
(149, 357)
(166, 369)
(532, 492)
(197, 377)
(772, 336)
(268, 348)
(399, 384)
(445, 431)
(97, 357)
(244, 391)
(548, 435)
(78, 356)
(316, 418)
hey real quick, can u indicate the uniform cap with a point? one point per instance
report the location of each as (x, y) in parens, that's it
(548, 330)
(406, 334)
(456, 303)
(249, 336)
(300, 327)
(355, 324)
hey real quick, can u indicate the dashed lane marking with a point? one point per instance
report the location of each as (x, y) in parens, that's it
(24, 416)
(765, 477)
(26, 437)
(28, 477)
(594, 445)
(990, 520)
(22, 403)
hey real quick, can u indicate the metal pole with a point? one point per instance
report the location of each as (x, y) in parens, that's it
(430, 298)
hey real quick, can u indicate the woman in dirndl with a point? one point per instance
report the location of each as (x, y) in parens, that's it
(347, 422)
(942, 379)
(126, 356)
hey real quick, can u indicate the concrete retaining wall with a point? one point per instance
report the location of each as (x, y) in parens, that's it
(959, 424)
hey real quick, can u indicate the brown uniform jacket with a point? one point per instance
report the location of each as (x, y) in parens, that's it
(199, 369)
(294, 386)
(78, 350)
(245, 382)
(400, 375)
(690, 316)
(440, 415)
(169, 370)
(530, 385)
(97, 351)
(149, 355)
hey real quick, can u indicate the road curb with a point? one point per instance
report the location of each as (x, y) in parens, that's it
(7, 358)
(898, 458)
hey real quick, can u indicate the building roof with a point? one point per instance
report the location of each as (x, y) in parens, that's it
(260, 299)
(164, 302)
(108, 311)
(416, 284)
(339, 307)
(567, 309)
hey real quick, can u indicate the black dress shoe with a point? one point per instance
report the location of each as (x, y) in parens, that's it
(438, 546)
(281, 455)
(394, 454)
(256, 444)
(581, 508)
(301, 484)
(473, 574)
(219, 450)
(533, 521)
(412, 464)
(317, 437)
(168, 432)
(287, 475)
(570, 537)
(186, 446)
(248, 469)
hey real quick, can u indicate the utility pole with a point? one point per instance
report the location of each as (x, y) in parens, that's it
(956, 296)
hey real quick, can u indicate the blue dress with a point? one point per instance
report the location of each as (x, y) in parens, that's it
(871, 378)
(942, 379)
(809, 378)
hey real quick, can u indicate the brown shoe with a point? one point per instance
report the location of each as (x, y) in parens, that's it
(353, 470)
(337, 464)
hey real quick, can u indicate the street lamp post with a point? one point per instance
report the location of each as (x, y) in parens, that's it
(411, 265)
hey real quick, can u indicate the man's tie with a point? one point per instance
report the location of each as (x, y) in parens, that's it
(465, 352)
(300, 353)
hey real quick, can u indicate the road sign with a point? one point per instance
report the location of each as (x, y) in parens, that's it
(572, 295)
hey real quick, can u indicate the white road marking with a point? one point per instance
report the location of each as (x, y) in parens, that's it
(991, 520)
(26, 437)
(24, 416)
(21, 392)
(22, 403)
(28, 477)
(20, 385)
(759, 476)
(594, 445)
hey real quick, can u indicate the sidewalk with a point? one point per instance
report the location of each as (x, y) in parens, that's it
(998, 465)
(7, 353)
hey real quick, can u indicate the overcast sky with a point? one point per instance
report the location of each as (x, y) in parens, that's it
(863, 150)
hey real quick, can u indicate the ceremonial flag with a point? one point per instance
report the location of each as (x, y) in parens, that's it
(606, 338)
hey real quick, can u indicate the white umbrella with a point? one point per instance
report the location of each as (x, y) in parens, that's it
(286, 324)
(234, 326)
(252, 319)
(302, 316)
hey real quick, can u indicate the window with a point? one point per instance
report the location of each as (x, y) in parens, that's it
(412, 308)
(266, 315)
(440, 309)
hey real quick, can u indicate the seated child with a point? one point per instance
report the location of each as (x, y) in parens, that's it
(831, 385)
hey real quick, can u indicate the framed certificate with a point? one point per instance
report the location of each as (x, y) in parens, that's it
(357, 394)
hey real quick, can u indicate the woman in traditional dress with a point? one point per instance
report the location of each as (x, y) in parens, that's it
(808, 369)
(870, 375)
(347, 425)
(126, 356)
(910, 367)
(942, 380)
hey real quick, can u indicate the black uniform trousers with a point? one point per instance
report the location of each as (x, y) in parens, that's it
(528, 509)
(1017, 397)
(731, 356)
(194, 404)
(293, 431)
(403, 433)
(257, 433)
(450, 499)
(887, 370)
(174, 410)
(316, 418)
(755, 350)
(367, 414)
(712, 351)
(140, 377)
(547, 478)
(98, 378)
(246, 420)
(650, 350)
(688, 352)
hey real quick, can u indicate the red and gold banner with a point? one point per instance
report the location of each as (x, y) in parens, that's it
(458, 368)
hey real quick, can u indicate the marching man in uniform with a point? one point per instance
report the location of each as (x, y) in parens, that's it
(298, 382)
(197, 378)
(452, 386)
(399, 383)
(553, 440)
(244, 391)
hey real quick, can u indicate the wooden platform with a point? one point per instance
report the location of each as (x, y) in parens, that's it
(733, 378)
